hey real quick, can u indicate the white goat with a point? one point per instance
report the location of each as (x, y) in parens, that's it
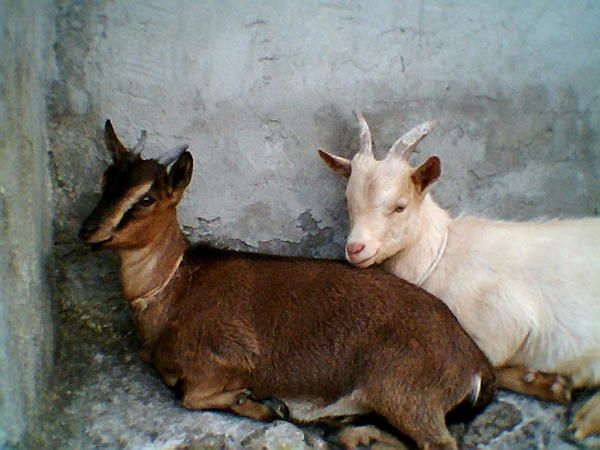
(528, 293)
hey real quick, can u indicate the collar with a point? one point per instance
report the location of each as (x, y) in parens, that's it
(141, 303)
(423, 278)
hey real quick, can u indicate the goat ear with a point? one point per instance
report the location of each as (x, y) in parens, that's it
(339, 165)
(113, 143)
(180, 174)
(427, 173)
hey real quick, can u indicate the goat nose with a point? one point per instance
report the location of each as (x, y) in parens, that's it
(354, 248)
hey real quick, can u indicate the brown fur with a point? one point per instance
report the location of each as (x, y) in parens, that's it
(236, 328)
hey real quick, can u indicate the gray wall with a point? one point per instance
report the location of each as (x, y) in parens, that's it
(256, 87)
(27, 325)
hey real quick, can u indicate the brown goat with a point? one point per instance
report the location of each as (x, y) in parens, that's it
(232, 329)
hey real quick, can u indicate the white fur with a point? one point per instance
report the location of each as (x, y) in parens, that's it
(528, 293)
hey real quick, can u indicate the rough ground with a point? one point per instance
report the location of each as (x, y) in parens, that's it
(107, 398)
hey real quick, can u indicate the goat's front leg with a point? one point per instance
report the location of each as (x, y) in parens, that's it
(587, 419)
(265, 410)
(550, 387)
(202, 396)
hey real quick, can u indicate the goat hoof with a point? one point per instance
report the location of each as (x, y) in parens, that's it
(530, 377)
(562, 387)
(558, 388)
(243, 396)
(279, 408)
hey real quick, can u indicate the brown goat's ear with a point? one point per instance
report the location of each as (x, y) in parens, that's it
(427, 173)
(339, 165)
(113, 143)
(180, 175)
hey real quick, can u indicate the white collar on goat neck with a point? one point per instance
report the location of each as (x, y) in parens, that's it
(423, 278)
(141, 303)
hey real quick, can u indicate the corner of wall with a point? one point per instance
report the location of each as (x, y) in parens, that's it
(27, 314)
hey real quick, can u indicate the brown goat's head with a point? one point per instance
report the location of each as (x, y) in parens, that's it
(139, 195)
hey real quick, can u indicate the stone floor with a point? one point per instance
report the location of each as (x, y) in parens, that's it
(104, 397)
(118, 402)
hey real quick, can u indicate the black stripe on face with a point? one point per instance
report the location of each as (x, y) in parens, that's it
(125, 207)
(125, 183)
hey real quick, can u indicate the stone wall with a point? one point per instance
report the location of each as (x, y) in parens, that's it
(256, 87)
(27, 320)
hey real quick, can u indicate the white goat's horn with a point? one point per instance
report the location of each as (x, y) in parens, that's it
(365, 143)
(139, 147)
(408, 143)
(172, 155)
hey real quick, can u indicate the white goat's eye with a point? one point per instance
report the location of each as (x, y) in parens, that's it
(399, 208)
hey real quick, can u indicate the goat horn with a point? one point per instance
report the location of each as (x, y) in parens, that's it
(139, 147)
(407, 144)
(365, 135)
(172, 155)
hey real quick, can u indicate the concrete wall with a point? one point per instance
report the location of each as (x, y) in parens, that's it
(27, 322)
(256, 87)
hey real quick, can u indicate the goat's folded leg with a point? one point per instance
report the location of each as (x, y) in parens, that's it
(204, 395)
(550, 387)
(217, 398)
(587, 419)
(265, 410)
(418, 416)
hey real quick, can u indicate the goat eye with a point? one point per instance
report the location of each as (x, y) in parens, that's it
(399, 208)
(146, 201)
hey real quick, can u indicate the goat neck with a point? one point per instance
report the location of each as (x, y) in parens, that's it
(146, 271)
(415, 261)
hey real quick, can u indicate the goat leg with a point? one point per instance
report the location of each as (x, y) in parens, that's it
(214, 399)
(419, 417)
(266, 410)
(550, 387)
(202, 395)
(587, 419)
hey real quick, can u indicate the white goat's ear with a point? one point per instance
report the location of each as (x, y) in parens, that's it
(427, 173)
(339, 165)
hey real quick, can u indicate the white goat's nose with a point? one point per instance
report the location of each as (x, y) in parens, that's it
(354, 248)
